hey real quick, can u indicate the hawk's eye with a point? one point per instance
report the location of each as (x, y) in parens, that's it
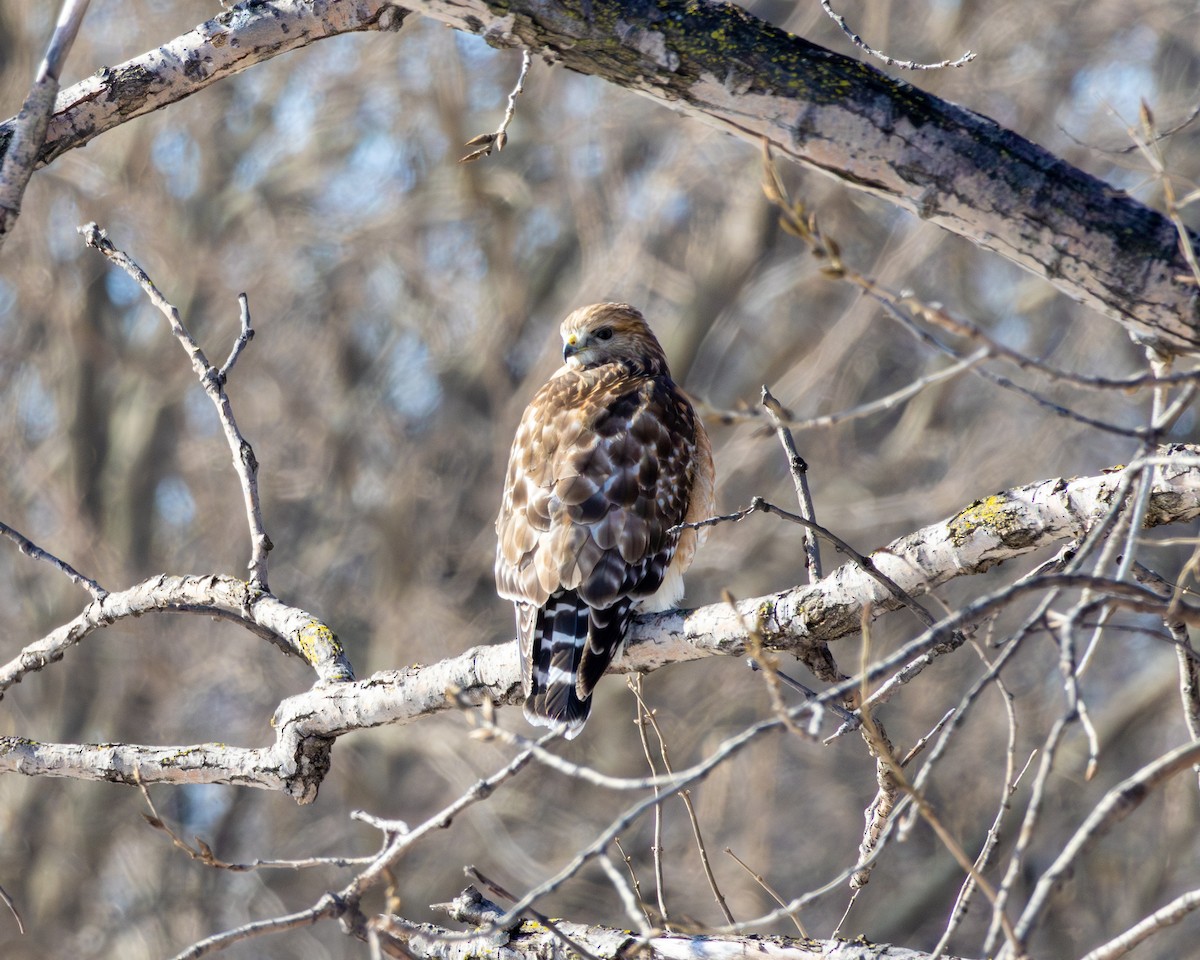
(604, 333)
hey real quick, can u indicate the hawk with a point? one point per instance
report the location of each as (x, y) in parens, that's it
(608, 458)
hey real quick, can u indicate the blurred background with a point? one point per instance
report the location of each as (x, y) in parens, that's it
(406, 308)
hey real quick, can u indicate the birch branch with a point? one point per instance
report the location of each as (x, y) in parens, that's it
(1000, 527)
(426, 941)
(28, 128)
(717, 63)
(293, 630)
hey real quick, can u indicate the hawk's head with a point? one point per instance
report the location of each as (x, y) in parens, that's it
(610, 333)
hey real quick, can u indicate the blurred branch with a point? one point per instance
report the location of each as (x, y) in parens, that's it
(947, 164)
(28, 128)
(1117, 804)
(1173, 912)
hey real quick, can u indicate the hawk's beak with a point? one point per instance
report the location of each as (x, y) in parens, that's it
(570, 348)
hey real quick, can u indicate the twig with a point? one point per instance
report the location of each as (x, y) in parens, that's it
(759, 505)
(878, 405)
(888, 779)
(879, 745)
(771, 892)
(1189, 660)
(647, 716)
(627, 891)
(1151, 148)
(762, 659)
(347, 898)
(890, 61)
(541, 918)
(203, 853)
(1011, 778)
(799, 471)
(487, 141)
(31, 549)
(211, 379)
(1025, 836)
(29, 132)
(796, 220)
(1117, 804)
(656, 847)
(12, 908)
(1172, 913)
(243, 340)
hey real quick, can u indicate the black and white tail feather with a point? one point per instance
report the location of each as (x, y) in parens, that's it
(566, 646)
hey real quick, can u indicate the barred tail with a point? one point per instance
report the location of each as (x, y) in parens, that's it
(568, 647)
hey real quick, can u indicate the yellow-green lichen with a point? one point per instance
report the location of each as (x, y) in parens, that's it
(998, 515)
(317, 642)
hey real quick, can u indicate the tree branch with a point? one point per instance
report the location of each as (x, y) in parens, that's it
(427, 941)
(717, 63)
(999, 527)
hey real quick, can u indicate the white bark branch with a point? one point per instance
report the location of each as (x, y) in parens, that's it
(426, 941)
(718, 64)
(28, 129)
(290, 628)
(999, 527)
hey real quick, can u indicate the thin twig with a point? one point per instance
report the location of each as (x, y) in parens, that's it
(541, 918)
(771, 892)
(486, 142)
(879, 55)
(244, 462)
(880, 747)
(686, 796)
(1117, 804)
(12, 908)
(204, 854)
(243, 340)
(656, 847)
(31, 549)
(347, 898)
(878, 405)
(799, 471)
(1172, 913)
(628, 892)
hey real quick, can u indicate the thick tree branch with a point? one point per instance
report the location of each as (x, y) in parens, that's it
(997, 528)
(426, 941)
(290, 628)
(717, 63)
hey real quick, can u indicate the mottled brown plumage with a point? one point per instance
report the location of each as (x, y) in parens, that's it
(608, 457)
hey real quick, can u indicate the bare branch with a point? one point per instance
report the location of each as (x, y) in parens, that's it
(31, 549)
(1117, 804)
(879, 55)
(799, 471)
(213, 382)
(1172, 913)
(29, 128)
(290, 628)
(928, 155)
(487, 141)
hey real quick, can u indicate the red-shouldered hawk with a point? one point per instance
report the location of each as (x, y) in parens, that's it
(608, 458)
